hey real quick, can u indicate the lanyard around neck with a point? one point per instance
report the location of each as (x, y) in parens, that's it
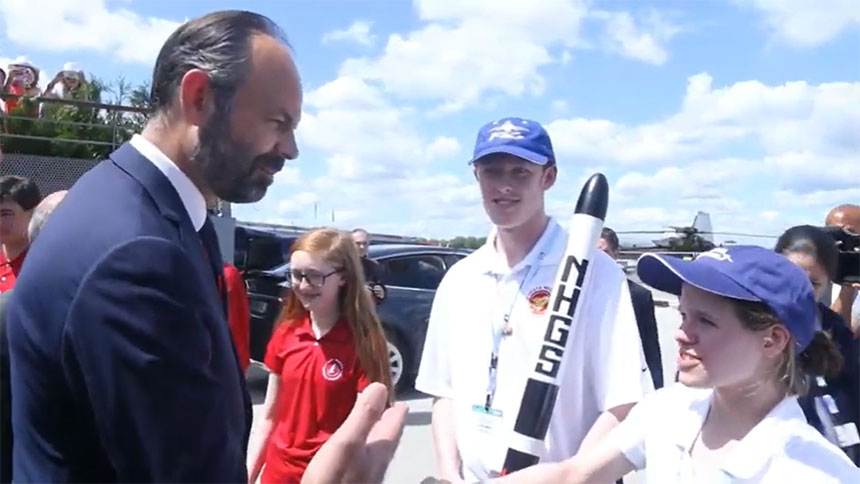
(505, 330)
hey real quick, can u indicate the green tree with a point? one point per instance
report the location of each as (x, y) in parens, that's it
(48, 128)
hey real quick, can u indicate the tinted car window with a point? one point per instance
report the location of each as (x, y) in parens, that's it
(417, 272)
(452, 259)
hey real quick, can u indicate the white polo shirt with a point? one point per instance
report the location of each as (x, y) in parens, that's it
(603, 367)
(659, 432)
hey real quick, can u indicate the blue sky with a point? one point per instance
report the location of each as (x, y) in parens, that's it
(747, 110)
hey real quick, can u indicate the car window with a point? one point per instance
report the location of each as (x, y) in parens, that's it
(417, 272)
(452, 259)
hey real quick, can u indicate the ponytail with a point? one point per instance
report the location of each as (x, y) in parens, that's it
(821, 357)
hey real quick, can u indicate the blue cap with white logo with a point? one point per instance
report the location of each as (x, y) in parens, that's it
(520, 137)
(744, 272)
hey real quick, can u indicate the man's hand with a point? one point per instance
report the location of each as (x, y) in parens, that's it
(361, 449)
(378, 291)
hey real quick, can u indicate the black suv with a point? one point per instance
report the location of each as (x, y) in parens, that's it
(410, 273)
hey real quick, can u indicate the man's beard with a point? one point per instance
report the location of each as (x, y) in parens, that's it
(229, 166)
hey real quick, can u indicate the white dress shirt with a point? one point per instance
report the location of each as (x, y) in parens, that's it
(188, 192)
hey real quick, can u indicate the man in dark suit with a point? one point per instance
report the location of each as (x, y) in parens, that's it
(39, 216)
(372, 269)
(5, 397)
(643, 307)
(123, 367)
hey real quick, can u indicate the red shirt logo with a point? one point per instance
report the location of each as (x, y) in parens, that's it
(333, 369)
(539, 300)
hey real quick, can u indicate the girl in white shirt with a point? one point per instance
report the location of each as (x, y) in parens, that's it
(747, 336)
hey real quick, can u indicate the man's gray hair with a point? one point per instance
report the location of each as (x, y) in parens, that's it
(218, 43)
(41, 213)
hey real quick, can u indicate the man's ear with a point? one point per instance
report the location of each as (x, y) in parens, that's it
(549, 176)
(196, 97)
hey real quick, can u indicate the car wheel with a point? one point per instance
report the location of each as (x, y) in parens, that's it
(397, 359)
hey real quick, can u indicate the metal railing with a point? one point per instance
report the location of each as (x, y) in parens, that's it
(113, 117)
(55, 141)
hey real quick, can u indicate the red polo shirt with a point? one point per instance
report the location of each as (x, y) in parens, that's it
(9, 270)
(320, 380)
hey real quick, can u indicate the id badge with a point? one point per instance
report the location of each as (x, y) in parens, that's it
(847, 435)
(488, 421)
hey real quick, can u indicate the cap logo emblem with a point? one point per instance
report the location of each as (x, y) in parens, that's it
(720, 253)
(507, 131)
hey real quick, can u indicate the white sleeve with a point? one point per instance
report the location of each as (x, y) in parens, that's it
(621, 372)
(434, 372)
(629, 435)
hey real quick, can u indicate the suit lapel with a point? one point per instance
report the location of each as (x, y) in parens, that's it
(171, 207)
(162, 192)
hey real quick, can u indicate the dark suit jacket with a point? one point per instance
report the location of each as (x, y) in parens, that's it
(373, 275)
(123, 367)
(643, 306)
(5, 397)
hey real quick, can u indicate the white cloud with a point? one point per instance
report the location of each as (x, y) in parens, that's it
(805, 172)
(472, 48)
(794, 116)
(382, 170)
(566, 57)
(66, 25)
(364, 135)
(289, 175)
(702, 181)
(643, 40)
(358, 32)
(443, 147)
(297, 204)
(468, 50)
(559, 106)
(822, 200)
(802, 23)
(345, 92)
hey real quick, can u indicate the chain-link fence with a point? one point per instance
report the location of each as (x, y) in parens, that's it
(49, 173)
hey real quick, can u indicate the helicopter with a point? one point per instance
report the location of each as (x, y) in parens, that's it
(698, 237)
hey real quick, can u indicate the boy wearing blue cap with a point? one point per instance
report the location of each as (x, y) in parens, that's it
(487, 322)
(747, 339)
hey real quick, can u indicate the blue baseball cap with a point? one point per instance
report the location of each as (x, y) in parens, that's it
(744, 272)
(520, 137)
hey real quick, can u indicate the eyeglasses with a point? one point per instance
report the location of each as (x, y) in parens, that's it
(313, 278)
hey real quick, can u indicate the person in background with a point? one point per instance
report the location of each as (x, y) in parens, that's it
(328, 346)
(18, 197)
(812, 249)
(846, 303)
(3, 91)
(40, 215)
(23, 80)
(67, 83)
(643, 306)
(372, 269)
(747, 340)
(488, 320)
